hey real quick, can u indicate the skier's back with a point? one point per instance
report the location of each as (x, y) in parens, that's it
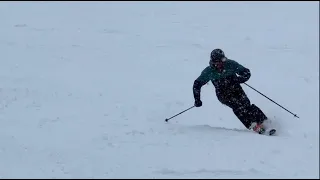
(226, 75)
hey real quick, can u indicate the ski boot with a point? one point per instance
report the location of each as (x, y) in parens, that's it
(261, 129)
(258, 128)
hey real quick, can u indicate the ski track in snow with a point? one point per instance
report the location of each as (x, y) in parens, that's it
(86, 87)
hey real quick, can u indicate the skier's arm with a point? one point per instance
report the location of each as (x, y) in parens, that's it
(243, 73)
(199, 82)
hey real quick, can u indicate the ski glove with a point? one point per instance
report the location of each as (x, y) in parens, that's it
(243, 76)
(196, 92)
(198, 103)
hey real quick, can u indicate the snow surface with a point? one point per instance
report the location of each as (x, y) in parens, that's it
(86, 86)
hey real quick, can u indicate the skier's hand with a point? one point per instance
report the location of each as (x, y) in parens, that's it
(198, 103)
(237, 80)
(244, 76)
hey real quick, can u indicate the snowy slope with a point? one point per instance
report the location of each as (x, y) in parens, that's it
(86, 86)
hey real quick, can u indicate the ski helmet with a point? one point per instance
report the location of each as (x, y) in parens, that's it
(216, 56)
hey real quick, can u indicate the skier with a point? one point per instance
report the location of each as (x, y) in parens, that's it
(226, 75)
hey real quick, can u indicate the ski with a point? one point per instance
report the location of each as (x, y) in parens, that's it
(272, 132)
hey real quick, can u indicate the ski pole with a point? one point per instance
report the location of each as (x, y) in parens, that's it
(271, 100)
(179, 113)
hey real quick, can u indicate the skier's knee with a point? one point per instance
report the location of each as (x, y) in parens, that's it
(239, 109)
